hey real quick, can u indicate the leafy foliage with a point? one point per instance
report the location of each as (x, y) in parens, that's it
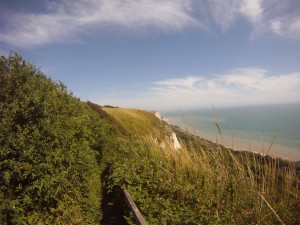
(50, 148)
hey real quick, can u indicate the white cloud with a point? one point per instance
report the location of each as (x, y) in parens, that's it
(222, 13)
(286, 27)
(69, 18)
(226, 13)
(276, 26)
(237, 87)
(66, 21)
(35, 30)
(252, 9)
(281, 17)
(258, 80)
(183, 83)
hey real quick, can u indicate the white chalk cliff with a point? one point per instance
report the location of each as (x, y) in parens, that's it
(173, 136)
(175, 141)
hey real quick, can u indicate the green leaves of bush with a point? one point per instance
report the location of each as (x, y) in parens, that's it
(49, 147)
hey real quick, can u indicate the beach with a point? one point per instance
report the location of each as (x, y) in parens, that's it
(242, 144)
(261, 147)
(264, 129)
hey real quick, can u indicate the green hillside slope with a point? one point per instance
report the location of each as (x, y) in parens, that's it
(139, 122)
(203, 182)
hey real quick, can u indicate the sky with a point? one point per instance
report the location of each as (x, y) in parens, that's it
(161, 54)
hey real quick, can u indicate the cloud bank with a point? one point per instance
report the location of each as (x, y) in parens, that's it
(245, 86)
(62, 21)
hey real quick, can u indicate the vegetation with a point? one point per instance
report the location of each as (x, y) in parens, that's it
(203, 182)
(50, 148)
(64, 161)
(140, 123)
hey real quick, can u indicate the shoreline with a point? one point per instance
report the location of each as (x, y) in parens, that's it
(259, 147)
(242, 144)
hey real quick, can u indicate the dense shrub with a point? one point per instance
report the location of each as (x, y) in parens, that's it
(50, 146)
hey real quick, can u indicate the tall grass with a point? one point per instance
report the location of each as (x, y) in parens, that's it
(204, 182)
(210, 184)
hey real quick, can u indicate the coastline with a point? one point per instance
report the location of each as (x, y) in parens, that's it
(242, 144)
(260, 147)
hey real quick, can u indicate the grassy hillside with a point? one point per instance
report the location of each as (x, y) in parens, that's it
(202, 183)
(139, 122)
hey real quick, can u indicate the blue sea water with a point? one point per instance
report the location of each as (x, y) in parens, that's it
(258, 123)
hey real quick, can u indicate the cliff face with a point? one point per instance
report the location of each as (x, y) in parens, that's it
(145, 123)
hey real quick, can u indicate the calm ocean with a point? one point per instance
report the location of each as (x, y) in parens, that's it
(257, 123)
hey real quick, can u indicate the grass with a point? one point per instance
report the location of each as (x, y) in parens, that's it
(139, 122)
(203, 182)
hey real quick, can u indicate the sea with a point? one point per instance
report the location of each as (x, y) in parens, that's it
(272, 129)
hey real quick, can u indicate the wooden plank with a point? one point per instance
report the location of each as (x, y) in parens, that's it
(134, 209)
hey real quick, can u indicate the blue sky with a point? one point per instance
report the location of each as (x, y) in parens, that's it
(161, 54)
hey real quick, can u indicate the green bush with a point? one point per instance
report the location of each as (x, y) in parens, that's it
(50, 148)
